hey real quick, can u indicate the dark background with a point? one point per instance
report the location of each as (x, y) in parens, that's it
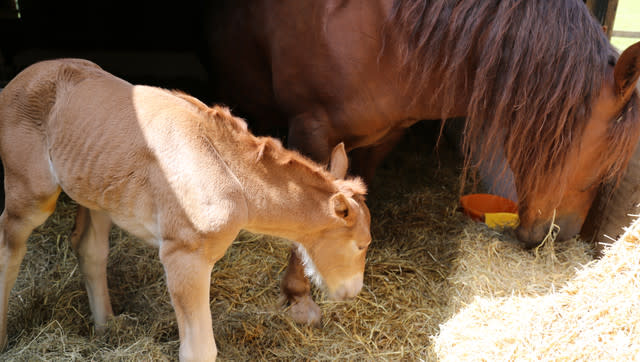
(143, 41)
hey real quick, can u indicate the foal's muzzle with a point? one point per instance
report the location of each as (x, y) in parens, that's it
(348, 289)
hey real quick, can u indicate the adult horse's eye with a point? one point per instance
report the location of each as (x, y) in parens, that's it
(590, 187)
(592, 183)
(624, 111)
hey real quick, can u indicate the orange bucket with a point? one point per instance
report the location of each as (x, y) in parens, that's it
(476, 205)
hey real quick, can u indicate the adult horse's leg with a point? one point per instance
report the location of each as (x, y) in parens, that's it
(309, 134)
(296, 291)
(31, 199)
(365, 161)
(90, 241)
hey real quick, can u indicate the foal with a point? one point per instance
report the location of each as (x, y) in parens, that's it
(175, 173)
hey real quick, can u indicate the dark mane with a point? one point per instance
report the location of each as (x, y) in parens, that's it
(537, 67)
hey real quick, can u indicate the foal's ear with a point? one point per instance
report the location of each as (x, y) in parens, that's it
(343, 208)
(339, 162)
(627, 71)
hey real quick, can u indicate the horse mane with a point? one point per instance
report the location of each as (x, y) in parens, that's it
(217, 112)
(271, 149)
(537, 66)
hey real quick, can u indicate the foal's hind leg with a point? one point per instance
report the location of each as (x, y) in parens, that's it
(90, 241)
(24, 211)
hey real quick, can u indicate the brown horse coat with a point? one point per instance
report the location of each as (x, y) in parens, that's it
(536, 79)
(175, 173)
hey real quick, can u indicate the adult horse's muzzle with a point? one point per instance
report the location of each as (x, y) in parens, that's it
(566, 226)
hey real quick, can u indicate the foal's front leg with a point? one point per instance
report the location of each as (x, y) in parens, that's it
(188, 275)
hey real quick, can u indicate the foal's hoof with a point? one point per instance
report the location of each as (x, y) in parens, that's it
(304, 310)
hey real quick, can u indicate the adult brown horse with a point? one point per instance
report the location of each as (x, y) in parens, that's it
(535, 79)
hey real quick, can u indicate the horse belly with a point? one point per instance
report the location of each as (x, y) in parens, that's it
(147, 231)
(123, 196)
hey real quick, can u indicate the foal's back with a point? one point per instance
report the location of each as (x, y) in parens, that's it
(132, 151)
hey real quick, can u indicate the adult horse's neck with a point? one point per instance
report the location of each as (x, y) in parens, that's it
(434, 68)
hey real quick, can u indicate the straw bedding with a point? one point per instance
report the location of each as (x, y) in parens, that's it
(595, 316)
(426, 262)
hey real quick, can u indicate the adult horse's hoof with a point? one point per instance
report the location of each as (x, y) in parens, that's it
(303, 310)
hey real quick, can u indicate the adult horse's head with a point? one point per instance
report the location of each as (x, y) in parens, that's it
(541, 83)
(550, 92)
(334, 257)
(597, 151)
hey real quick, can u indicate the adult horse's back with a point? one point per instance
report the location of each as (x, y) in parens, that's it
(536, 80)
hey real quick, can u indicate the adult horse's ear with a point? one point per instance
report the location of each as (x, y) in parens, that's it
(339, 162)
(627, 72)
(342, 208)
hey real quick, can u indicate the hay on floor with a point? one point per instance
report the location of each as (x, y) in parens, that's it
(595, 316)
(491, 265)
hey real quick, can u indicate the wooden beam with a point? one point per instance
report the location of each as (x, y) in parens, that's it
(605, 12)
(626, 34)
(610, 17)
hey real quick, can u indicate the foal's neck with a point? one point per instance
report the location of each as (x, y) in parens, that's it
(287, 195)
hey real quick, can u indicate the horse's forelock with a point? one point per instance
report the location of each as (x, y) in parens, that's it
(353, 186)
(537, 67)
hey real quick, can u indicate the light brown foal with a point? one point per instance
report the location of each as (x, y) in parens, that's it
(175, 173)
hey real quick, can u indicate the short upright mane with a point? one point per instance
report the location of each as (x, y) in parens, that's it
(215, 112)
(538, 66)
(271, 148)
